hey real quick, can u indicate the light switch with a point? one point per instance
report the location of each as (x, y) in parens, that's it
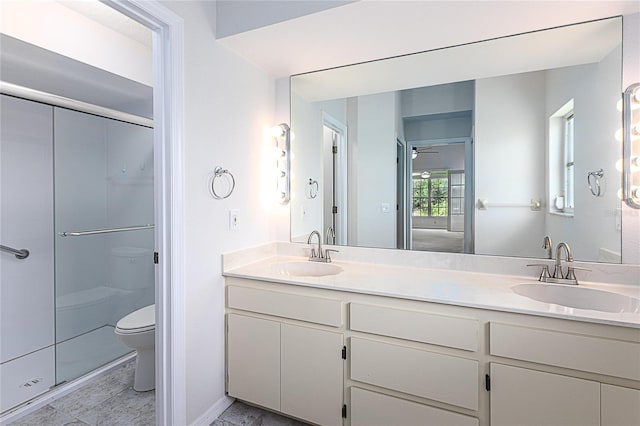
(234, 220)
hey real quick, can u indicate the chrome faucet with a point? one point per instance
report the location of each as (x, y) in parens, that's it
(315, 256)
(558, 277)
(548, 245)
(557, 270)
(319, 255)
(330, 236)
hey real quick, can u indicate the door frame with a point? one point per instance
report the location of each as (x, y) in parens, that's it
(168, 114)
(341, 175)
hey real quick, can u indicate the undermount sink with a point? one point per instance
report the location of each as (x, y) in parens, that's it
(578, 297)
(306, 269)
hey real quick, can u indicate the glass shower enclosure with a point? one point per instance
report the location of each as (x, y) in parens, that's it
(77, 199)
(103, 235)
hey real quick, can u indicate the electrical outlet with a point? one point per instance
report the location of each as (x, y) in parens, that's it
(234, 220)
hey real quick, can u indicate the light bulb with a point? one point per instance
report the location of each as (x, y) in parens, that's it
(414, 153)
(635, 132)
(618, 135)
(277, 131)
(634, 161)
(634, 105)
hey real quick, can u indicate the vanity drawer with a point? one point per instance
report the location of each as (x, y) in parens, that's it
(459, 333)
(304, 308)
(579, 352)
(375, 409)
(443, 378)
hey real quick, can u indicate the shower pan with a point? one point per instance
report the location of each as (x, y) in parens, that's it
(77, 194)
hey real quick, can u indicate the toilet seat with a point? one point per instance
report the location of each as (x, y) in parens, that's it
(139, 321)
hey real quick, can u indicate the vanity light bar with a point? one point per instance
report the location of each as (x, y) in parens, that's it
(282, 142)
(630, 121)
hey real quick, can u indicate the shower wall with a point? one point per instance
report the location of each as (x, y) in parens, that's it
(68, 171)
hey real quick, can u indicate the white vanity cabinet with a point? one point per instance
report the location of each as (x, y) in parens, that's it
(525, 397)
(294, 369)
(411, 362)
(619, 406)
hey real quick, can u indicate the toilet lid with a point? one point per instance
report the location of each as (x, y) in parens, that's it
(142, 318)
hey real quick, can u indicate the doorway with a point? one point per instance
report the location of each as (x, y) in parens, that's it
(334, 160)
(439, 183)
(168, 95)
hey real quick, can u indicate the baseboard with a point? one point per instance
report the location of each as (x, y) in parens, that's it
(214, 412)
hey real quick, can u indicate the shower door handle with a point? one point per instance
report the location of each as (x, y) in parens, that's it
(19, 253)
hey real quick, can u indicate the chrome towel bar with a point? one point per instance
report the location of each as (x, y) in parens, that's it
(19, 253)
(104, 231)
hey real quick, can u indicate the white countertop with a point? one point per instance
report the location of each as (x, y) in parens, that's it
(469, 289)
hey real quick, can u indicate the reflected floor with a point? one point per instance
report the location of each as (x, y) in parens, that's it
(437, 240)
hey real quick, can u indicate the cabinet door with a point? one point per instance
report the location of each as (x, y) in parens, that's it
(312, 374)
(375, 409)
(253, 360)
(620, 406)
(521, 397)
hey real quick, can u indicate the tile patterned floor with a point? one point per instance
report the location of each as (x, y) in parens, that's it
(111, 401)
(108, 401)
(240, 414)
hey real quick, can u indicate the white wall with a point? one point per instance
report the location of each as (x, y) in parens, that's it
(595, 88)
(229, 108)
(452, 97)
(376, 140)
(74, 35)
(309, 162)
(509, 157)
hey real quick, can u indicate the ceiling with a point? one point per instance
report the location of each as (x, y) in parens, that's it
(373, 29)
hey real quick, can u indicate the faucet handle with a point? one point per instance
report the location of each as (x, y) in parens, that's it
(327, 255)
(571, 275)
(313, 254)
(544, 274)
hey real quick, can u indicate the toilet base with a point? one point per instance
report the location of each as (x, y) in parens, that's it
(145, 375)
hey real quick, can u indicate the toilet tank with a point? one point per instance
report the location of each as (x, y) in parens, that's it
(131, 268)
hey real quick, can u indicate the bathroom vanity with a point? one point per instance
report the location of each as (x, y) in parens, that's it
(370, 344)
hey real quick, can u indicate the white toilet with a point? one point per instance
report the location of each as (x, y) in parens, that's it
(137, 331)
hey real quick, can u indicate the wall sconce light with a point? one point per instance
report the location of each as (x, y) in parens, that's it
(281, 136)
(414, 153)
(630, 154)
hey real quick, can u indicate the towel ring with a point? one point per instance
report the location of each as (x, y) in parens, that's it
(593, 179)
(310, 190)
(230, 180)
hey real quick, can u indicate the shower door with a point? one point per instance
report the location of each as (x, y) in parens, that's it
(103, 235)
(26, 222)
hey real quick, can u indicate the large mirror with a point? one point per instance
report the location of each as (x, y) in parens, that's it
(482, 148)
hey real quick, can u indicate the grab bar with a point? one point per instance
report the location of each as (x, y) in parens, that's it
(20, 254)
(103, 231)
